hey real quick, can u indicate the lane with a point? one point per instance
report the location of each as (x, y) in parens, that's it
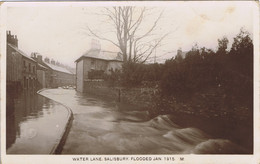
(104, 127)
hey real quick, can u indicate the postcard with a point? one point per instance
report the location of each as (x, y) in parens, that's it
(130, 82)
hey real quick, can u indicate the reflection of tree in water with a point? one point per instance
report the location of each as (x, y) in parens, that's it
(19, 108)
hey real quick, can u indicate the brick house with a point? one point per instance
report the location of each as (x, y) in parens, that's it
(20, 68)
(60, 76)
(98, 60)
(52, 73)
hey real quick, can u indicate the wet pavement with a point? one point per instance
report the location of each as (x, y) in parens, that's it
(34, 124)
(106, 127)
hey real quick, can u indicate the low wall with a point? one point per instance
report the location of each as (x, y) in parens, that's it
(142, 97)
(204, 105)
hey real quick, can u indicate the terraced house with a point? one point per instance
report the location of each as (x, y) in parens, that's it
(21, 69)
(53, 74)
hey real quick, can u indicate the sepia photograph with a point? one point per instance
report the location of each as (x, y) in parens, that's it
(129, 81)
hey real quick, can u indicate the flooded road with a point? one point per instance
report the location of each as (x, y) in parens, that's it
(34, 124)
(105, 127)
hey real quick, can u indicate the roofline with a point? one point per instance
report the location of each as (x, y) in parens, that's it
(42, 66)
(64, 72)
(60, 71)
(24, 55)
(95, 58)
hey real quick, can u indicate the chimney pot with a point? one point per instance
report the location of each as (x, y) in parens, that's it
(52, 62)
(39, 58)
(47, 60)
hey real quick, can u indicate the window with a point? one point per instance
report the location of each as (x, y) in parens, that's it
(24, 65)
(24, 82)
(29, 67)
(28, 83)
(92, 61)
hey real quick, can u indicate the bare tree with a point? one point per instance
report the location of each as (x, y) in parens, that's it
(135, 43)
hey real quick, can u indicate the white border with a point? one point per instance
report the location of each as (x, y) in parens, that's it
(67, 159)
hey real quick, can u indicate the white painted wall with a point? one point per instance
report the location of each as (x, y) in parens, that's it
(79, 77)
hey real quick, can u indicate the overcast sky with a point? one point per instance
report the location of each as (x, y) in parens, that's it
(58, 30)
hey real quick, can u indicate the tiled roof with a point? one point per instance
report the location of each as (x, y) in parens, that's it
(103, 55)
(57, 68)
(42, 66)
(73, 71)
(20, 52)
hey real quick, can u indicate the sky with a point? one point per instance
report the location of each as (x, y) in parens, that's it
(58, 30)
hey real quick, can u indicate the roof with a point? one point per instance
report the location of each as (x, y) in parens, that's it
(102, 55)
(20, 52)
(42, 66)
(57, 68)
(73, 71)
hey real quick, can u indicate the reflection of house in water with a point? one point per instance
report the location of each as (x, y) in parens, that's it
(95, 60)
(21, 69)
(10, 121)
(17, 109)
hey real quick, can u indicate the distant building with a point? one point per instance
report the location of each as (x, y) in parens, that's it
(95, 60)
(60, 76)
(180, 54)
(54, 73)
(43, 72)
(21, 69)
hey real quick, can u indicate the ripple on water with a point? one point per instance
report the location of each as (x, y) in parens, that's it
(217, 146)
(102, 127)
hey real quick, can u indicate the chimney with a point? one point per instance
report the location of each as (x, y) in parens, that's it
(58, 63)
(15, 41)
(8, 36)
(12, 39)
(39, 58)
(52, 61)
(47, 60)
(33, 55)
(179, 52)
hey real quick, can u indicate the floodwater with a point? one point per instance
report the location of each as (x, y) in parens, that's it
(106, 127)
(34, 123)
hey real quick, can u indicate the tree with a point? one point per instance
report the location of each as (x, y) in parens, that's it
(222, 45)
(241, 53)
(135, 43)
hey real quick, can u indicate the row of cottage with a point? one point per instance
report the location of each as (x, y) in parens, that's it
(32, 72)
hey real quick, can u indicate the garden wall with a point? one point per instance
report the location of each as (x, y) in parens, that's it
(142, 97)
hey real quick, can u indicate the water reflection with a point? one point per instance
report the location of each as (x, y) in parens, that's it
(33, 123)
